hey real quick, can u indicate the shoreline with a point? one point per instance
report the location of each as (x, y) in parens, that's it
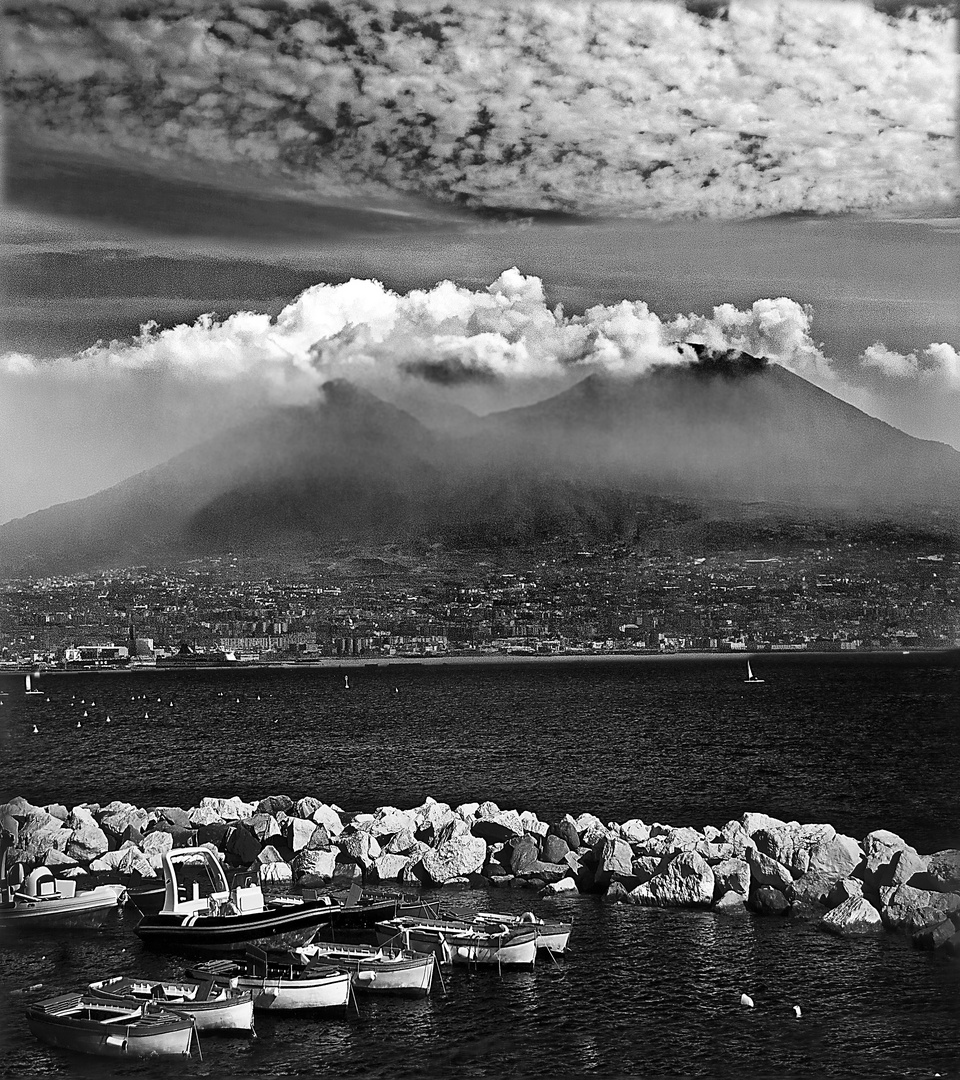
(451, 660)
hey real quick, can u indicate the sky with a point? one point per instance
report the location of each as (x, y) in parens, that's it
(187, 170)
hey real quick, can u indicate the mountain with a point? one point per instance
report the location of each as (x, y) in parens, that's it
(602, 459)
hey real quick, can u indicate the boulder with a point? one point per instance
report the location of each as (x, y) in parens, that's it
(174, 818)
(120, 825)
(686, 880)
(942, 873)
(277, 874)
(275, 804)
(125, 860)
(731, 876)
(523, 851)
(464, 855)
(203, 815)
(154, 845)
(388, 821)
(844, 889)
(532, 824)
(329, 818)
(401, 843)
(769, 901)
(666, 840)
(467, 810)
(752, 823)
(901, 903)
(851, 918)
(645, 866)
(564, 885)
(264, 827)
(312, 868)
(887, 860)
(837, 857)
(614, 856)
(813, 887)
(233, 809)
(39, 832)
(19, 807)
(566, 829)
(215, 832)
(615, 894)
(730, 903)
(450, 830)
(54, 858)
(736, 835)
(792, 844)
(431, 816)
(923, 918)
(269, 855)
(88, 840)
(554, 849)
(392, 867)
(634, 831)
(501, 881)
(306, 807)
(241, 845)
(361, 848)
(935, 935)
(298, 832)
(57, 810)
(545, 872)
(590, 829)
(768, 872)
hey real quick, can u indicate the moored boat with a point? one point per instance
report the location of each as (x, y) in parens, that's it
(280, 980)
(39, 900)
(214, 1006)
(376, 969)
(89, 1025)
(456, 941)
(552, 935)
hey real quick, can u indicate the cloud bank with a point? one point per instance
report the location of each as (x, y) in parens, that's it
(625, 107)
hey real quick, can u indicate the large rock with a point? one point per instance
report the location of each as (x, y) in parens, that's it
(614, 856)
(853, 917)
(544, 871)
(732, 876)
(361, 848)
(450, 830)
(269, 855)
(715, 853)
(174, 819)
(388, 821)
(564, 885)
(40, 832)
(123, 824)
(767, 871)
(402, 843)
(667, 840)
(88, 840)
(203, 815)
(554, 849)
(54, 858)
(532, 824)
(392, 867)
(305, 807)
(215, 833)
(736, 835)
(837, 857)
(591, 829)
(730, 903)
(329, 818)
(154, 846)
(752, 823)
(275, 804)
(456, 858)
(769, 901)
(566, 829)
(242, 846)
(902, 903)
(792, 844)
(264, 827)
(298, 832)
(634, 831)
(522, 853)
(685, 881)
(813, 887)
(935, 935)
(125, 860)
(845, 889)
(431, 816)
(233, 809)
(942, 873)
(312, 868)
(887, 860)
(276, 874)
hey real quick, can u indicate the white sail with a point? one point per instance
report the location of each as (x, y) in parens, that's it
(749, 670)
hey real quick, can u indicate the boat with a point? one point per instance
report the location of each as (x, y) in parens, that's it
(280, 980)
(88, 1025)
(213, 1006)
(40, 900)
(751, 678)
(28, 686)
(375, 969)
(457, 941)
(201, 913)
(551, 935)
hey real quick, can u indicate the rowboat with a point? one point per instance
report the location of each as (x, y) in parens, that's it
(40, 900)
(111, 1029)
(214, 1006)
(455, 941)
(551, 935)
(375, 969)
(201, 913)
(280, 980)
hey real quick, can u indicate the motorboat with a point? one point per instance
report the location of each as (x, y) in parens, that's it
(281, 980)
(457, 941)
(214, 1006)
(202, 913)
(39, 900)
(376, 969)
(89, 1025)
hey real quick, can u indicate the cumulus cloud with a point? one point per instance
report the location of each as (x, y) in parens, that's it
(625, 107)
(938, 365)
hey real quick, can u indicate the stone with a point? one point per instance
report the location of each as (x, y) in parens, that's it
(731, 876)
(546, 872)
(119, 824)
(887, 860)
(464, 855)
(496, 825)
(19, 807)
(591, 829)
(686, 880)
(306, 807)
(615, 856)
(392, 867)
(532, 824)
(264, 827)
(752, 823)
(57, 810)
(241, 845)
(853, 917)
(564, 885)
(39, 832)
(402, 843)
(298, 832)
(432, 816)
(791, 844)
(276, 874)
(902, 902)
(450, 830)
(214, 832)
(923, 918)
(175, 817)
(269, 855)
(767, 871)
(837, 857)
(736, 835)
(769, 901)
(730, 903)
(329, 818)
(54, 858)
(645, 866)
(844, 889)
(88, 840)
(934, 936)
(554, 849)
(467, 810)
(634, 831)
(666, 840)
(501, 881)
(388, 821)
(942, 873)
(203, 815)
(156, 843)
(126, 860)
(312, 868)
(813, 887)
(615, 894)
(274, 804)
(712, 834)
(523, 851)
(566, 829)
(361, 848)
(233, 809)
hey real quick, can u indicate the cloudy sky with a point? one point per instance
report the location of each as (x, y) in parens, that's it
(778, 176)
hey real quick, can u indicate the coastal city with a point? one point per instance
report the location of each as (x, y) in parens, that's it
(822, 595)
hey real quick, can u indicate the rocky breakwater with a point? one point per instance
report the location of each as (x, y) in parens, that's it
(756, 862)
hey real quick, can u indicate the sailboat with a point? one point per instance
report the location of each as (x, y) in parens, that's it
(750, 675)
(28, 684)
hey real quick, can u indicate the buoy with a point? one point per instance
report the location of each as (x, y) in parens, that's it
(146, 716)
(79, 724)
(238, 701)
(85, 712)
(171, 704)
(258, 697)
(796, 1011)
(108, 719)
(346, 682)
(746, 1001)
(92, 703)
(396, 689)
(36, 730)
(48, 701)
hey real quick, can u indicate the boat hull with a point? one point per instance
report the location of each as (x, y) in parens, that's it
(233, 1012)
(460, 944)
(329, 988)
(157, 1035)
(516, 952)
(89, 908)
(399, 975)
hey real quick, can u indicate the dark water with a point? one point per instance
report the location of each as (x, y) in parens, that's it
(861, 742)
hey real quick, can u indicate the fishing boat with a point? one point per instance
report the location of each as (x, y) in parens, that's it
(88, 1025)
(202, 913)
(751, 678)
(551, 935)
(456, 941)
(374, 968)
(28, 686)
(280, 980)
(39, 900)
(214, 1006)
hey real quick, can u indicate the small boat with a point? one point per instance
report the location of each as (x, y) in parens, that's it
(551, 935)
(40, 900)
(28, 686)
(213, 1006)
(111, 1029)
(456, 941)
(280, 980)
(376, 969)
(750, 675)
(201, 913)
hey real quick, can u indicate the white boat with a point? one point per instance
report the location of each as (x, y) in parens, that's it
(40, 900)
(751, 678)
(375, 969)
(456, 941)
(280, 981)
(28, 686)
(213, 1006)
(552, 936)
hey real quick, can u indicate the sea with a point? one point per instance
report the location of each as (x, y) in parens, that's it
(861, 741)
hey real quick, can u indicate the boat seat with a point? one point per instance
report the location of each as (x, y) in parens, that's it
(122, 1018)
(206, 990)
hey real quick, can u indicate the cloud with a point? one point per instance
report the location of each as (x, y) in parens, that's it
(938, 365)
(626, 107)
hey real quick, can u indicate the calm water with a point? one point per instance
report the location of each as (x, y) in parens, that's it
(862, 742)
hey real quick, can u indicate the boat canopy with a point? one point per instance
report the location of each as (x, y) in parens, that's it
(192, 877)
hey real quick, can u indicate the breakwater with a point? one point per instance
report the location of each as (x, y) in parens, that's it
(849, 886)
